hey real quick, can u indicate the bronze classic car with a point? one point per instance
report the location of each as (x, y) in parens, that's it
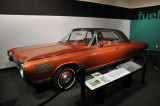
(58, 62)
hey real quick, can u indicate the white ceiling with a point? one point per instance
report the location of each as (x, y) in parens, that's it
(127, 3)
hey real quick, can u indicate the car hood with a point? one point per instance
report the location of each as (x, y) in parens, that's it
(38, 51)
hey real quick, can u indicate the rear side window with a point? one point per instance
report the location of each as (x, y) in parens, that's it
(108, 37)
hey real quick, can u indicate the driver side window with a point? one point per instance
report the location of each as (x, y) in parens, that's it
(86, 39)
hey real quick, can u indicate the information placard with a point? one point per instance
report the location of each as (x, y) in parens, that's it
(97, 80)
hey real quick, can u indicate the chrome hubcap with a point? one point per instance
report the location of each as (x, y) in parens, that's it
(66, 78)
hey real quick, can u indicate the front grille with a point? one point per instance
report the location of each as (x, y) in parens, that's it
(43, 67)
(18, 63)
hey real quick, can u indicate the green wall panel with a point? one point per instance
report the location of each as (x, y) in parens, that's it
(146, 30)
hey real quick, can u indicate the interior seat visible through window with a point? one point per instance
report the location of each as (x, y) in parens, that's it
(107, 37)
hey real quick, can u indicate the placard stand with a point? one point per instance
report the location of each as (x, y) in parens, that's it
(83, 93)
(144, 67)
(100, 92)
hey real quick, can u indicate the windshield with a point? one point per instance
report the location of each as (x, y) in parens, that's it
(80, 38)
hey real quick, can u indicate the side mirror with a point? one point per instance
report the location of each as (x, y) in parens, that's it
(100, 44)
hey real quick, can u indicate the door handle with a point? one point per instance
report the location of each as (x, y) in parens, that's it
(116, 48)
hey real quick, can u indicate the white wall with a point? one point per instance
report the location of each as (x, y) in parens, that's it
(25, 30)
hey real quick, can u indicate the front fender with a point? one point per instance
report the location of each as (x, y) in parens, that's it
(64, 64)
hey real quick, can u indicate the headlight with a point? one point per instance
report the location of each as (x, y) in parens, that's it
(22, 66)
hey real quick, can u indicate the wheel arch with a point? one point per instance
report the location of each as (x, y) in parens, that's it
(75, 65)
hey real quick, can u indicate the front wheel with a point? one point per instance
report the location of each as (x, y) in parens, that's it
(63, 77)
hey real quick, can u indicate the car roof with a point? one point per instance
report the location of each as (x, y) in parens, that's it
(121, 34)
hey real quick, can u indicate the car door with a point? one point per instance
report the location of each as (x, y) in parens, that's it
(111, 51)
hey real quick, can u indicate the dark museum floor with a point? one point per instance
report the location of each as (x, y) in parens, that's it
(15, 91)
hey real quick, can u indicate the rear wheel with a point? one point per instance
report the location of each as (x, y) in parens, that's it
(63, 77)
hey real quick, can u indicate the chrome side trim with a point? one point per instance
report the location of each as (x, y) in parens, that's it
(69, 52)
